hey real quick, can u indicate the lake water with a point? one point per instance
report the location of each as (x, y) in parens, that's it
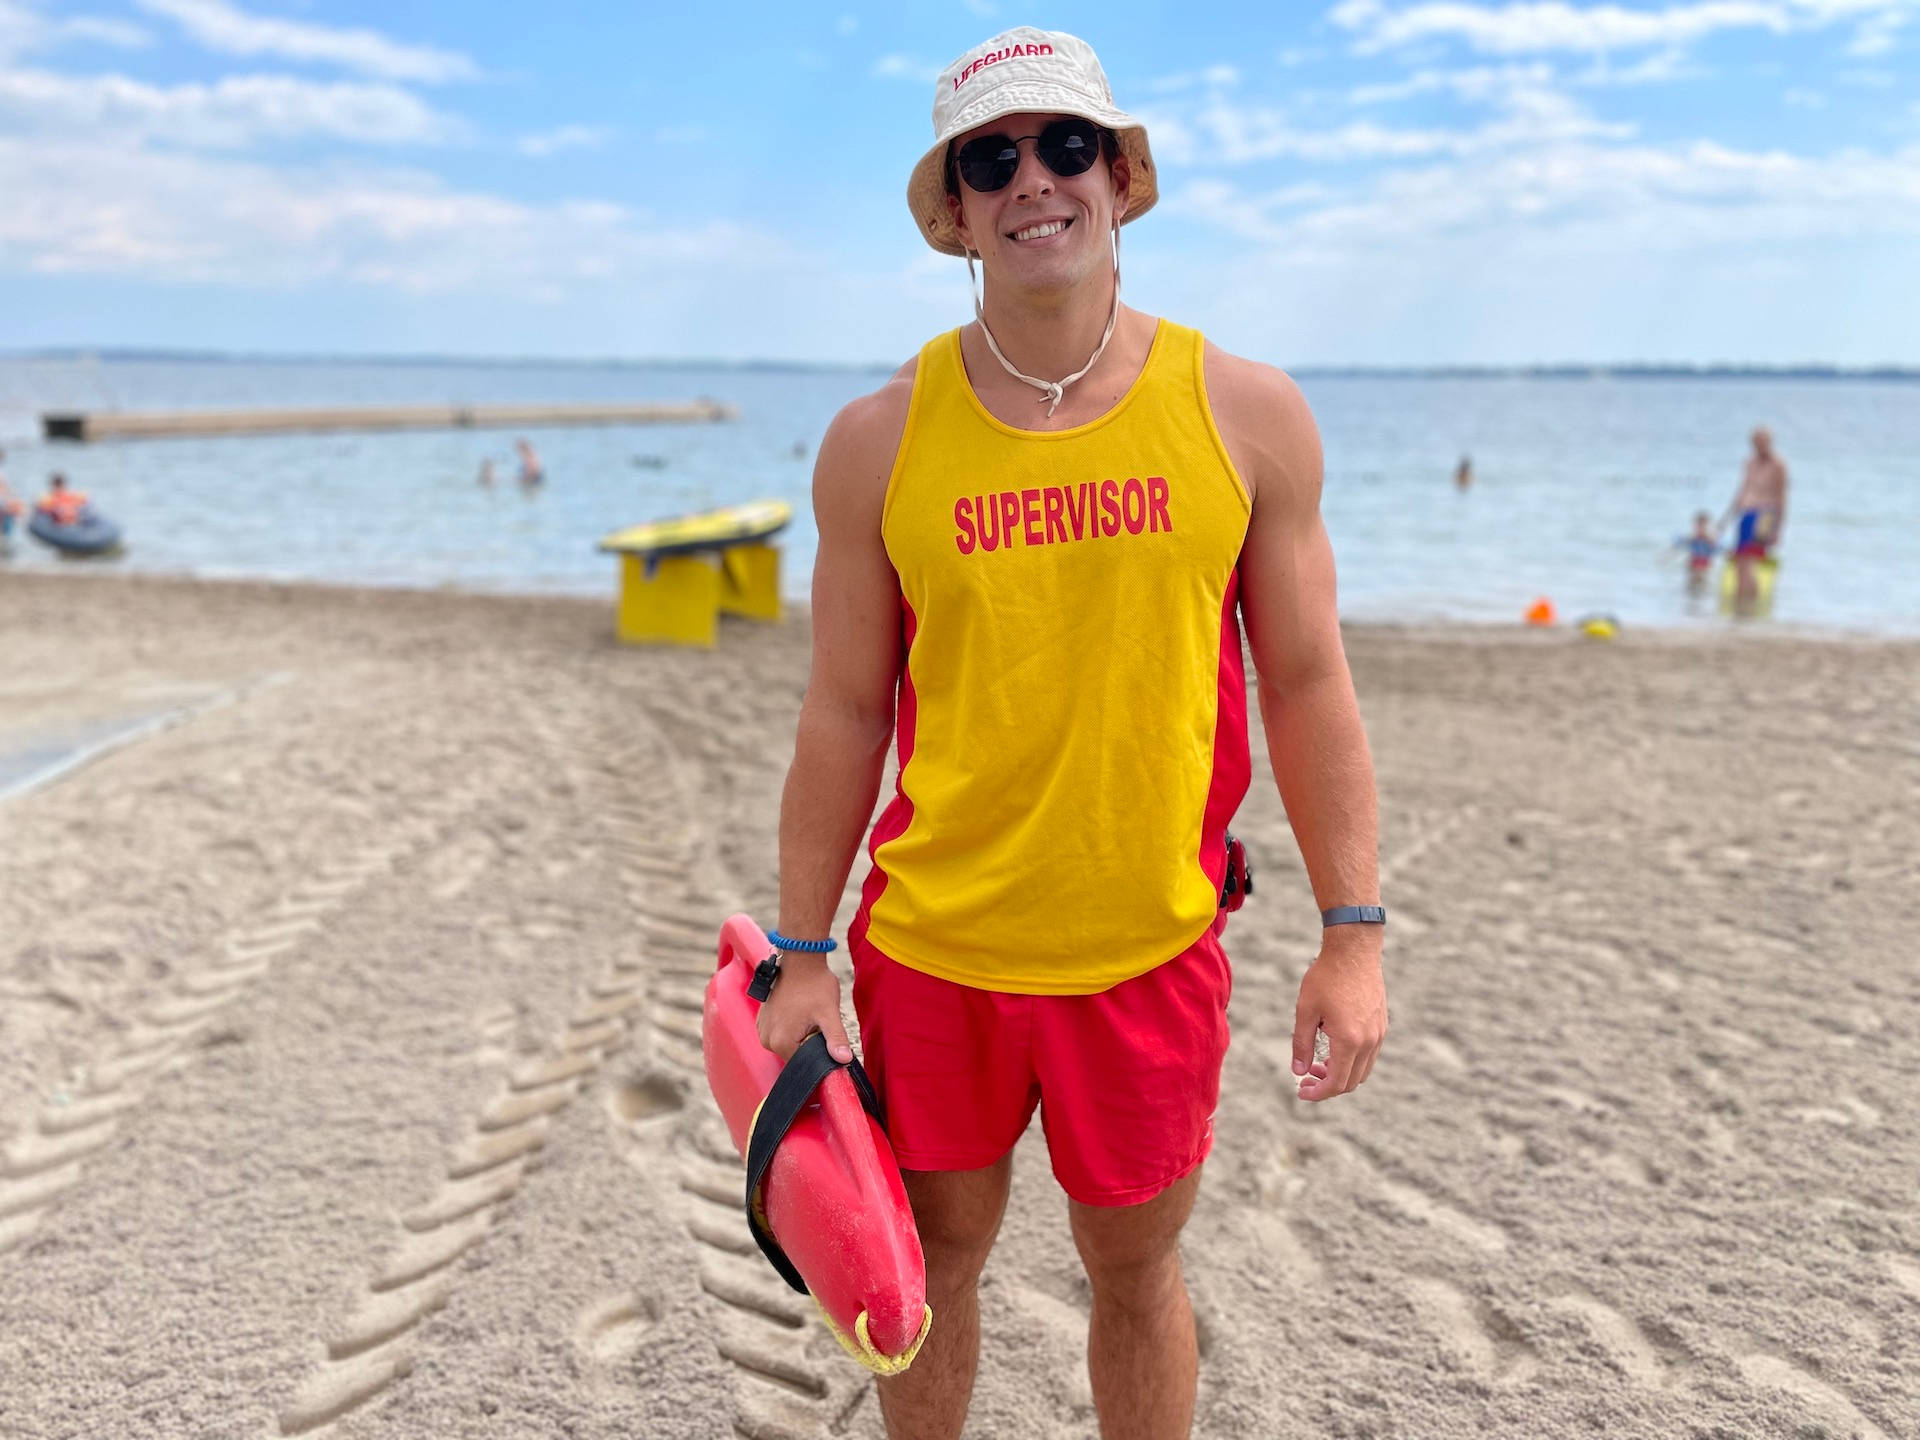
(1581, 485)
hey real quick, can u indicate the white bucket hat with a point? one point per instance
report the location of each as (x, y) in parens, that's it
(1022, 71)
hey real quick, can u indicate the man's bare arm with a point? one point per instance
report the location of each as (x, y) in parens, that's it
(1314, 736)
(846, 717)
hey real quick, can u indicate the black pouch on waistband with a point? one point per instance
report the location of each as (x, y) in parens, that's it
(1238, 884)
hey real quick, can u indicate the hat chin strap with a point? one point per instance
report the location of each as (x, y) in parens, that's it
(1051, 391)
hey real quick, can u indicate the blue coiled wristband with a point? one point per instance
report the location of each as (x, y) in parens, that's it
(810, 947)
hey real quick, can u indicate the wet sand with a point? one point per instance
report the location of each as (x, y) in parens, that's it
(349, 1070)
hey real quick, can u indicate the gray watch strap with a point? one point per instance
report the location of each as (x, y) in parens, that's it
(1354, 915)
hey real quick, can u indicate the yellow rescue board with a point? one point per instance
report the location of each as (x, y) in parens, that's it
(710, 530)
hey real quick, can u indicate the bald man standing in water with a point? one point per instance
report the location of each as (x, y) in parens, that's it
(1761, 506)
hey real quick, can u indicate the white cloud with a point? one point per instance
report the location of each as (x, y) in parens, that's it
(1580, 197)
(121, 34)
(1223, 206)
(1541, 186)
(24, 29)
(1531, 26)
(1478, 84)
(1805, 99)
(1878, 34)
(1221, 131)
(234, 113)
(1514, 297)
(104, 209)
(1214, 76)
(1240, 136)
(21, 30)
(1663, 67)
(231, 31)
(565, 137)
(847, 24)
(1485, 84)
(906, 67)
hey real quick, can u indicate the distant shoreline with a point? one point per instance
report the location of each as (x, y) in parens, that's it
(1635, 370)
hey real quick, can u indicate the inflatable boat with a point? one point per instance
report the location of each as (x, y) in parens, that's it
(91, 533)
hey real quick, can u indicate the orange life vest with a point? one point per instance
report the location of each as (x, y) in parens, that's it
(65, 506)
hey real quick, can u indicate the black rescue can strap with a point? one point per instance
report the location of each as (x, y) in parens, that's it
(809, 1065)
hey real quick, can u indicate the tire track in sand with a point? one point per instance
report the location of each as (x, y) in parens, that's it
(46, 1161)
(761, 1327)
(1477, 1337)
(1771, 1372)
(374, 1347)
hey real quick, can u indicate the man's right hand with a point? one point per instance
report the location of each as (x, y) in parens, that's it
(806, 998)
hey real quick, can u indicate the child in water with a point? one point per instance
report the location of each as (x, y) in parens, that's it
(1701, 547)
(10, 506)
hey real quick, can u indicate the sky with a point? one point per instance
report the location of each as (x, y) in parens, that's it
(1362, 182)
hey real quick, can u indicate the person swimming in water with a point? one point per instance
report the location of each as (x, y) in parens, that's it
(10, 506)
(61, 505)
(1700, 547)
(1463, 474)
(532, 476)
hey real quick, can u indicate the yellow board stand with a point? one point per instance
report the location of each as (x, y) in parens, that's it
(677, 576)
(679, 604)
(750, 581)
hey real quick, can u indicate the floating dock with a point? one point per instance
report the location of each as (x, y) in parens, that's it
(149, 425)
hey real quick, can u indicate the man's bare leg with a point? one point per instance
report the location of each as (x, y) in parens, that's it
(958, 1214)
(1141, 1352)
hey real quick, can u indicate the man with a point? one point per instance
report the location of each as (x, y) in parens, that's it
(1043, 603)
(532, 473)
(1761, 505)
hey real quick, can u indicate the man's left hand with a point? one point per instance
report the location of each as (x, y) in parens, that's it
(1344, 994)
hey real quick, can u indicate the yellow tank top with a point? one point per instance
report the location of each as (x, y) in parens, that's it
(1072, 719)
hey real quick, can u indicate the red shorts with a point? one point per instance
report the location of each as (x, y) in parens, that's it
(1126, 1080)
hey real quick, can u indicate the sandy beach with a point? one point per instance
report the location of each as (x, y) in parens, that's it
(349, 1061)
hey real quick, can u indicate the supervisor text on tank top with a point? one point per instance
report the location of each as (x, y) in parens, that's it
(1072, 720)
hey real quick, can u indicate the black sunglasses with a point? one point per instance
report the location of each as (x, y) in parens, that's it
(1066, 147)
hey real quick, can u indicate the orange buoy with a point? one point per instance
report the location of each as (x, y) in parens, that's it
(1541, 612)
